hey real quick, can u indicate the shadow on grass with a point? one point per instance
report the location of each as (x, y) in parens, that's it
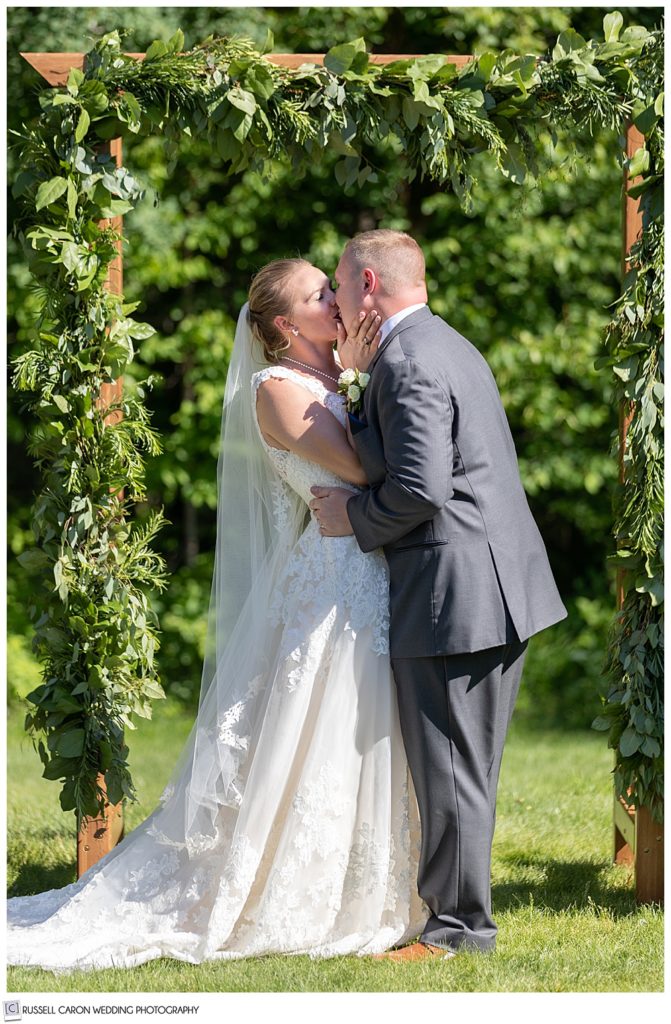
(554, 885)
(33, 878)
(567, 885)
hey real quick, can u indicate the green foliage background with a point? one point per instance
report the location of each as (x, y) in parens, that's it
(528, 276)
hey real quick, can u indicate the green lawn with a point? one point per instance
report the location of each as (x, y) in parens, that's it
(568, 921)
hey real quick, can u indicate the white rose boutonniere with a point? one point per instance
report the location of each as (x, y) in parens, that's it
(352, 384)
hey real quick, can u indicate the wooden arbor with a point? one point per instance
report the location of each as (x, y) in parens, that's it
(638, 839)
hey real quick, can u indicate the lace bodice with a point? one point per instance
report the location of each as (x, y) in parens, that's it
(324, 572)
(300, 473)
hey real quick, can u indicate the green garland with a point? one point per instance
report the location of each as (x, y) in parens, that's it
(633, 709)
(94, 631)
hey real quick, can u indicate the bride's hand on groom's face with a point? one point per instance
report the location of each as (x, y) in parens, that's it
(358, 345)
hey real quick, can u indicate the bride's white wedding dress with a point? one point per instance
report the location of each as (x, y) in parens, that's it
(315, 841)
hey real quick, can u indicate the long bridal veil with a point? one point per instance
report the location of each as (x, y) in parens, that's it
(252, 547)
(197, 809)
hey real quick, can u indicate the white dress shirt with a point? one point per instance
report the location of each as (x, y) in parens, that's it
(389, 324)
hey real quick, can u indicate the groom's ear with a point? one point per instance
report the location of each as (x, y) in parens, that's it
(369, 280)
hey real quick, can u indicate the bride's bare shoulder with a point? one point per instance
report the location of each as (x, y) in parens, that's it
(279, 390)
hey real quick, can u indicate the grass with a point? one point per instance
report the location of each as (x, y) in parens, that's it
(567, 917)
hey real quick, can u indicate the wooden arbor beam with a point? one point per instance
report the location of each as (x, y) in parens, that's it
(55, 67)
(638, 839)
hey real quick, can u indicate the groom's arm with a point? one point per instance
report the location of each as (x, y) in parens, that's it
(415, 416)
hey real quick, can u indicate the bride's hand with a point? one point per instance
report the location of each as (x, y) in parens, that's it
(357, 347)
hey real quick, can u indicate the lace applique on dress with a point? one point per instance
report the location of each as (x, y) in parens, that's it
(324, 572)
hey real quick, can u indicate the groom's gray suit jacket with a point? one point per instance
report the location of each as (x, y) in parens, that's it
(445, 499)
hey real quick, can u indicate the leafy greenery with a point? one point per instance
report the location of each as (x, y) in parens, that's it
(548, 391)
(633, 711)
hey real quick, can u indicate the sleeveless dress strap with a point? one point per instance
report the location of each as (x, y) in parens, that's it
(315, 386)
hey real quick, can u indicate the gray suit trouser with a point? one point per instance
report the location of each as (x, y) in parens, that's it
(454, 712)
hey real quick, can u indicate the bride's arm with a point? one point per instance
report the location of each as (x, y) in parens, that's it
(291, 418)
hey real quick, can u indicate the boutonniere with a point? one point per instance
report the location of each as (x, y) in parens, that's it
(352, 384)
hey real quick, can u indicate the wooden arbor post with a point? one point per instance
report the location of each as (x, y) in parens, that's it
(638, 839)
(98, 836)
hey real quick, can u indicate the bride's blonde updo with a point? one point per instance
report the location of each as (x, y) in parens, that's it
(271, 294)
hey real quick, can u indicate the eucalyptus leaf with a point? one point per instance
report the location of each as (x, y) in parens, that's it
(93, 98)
(115, 208)
(176, 42)
(512, 163)
(33, 560)
(82, 125)
(75, 79)
(71, 256)
(612, 26)
(50, 191)
(340, 58)
(242, 99)
(260, 81)
(647, 119)
(412, 110)
(22, 182)
(62, 100)
(340, 172)
(68, 796)
(157, 49)
(639, 162)
(241, 130)
(140, 330)
(650, 747)
(72, 199)
(82, 161)
(61, 402)
(630, 741)
(568, 41)
(71, 743)
(228, 146)
(269, 44)
(58, 768)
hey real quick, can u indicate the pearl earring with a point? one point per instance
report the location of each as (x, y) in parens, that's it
(294, 330)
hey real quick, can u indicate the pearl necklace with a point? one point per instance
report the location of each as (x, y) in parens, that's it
(313, 368)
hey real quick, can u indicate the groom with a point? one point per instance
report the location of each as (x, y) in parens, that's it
(470, 580)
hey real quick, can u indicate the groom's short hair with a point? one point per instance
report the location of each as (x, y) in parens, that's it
(394, 256)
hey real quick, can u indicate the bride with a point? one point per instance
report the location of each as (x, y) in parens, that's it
(289, 824)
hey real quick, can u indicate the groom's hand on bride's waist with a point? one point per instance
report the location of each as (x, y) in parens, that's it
(329, 507)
